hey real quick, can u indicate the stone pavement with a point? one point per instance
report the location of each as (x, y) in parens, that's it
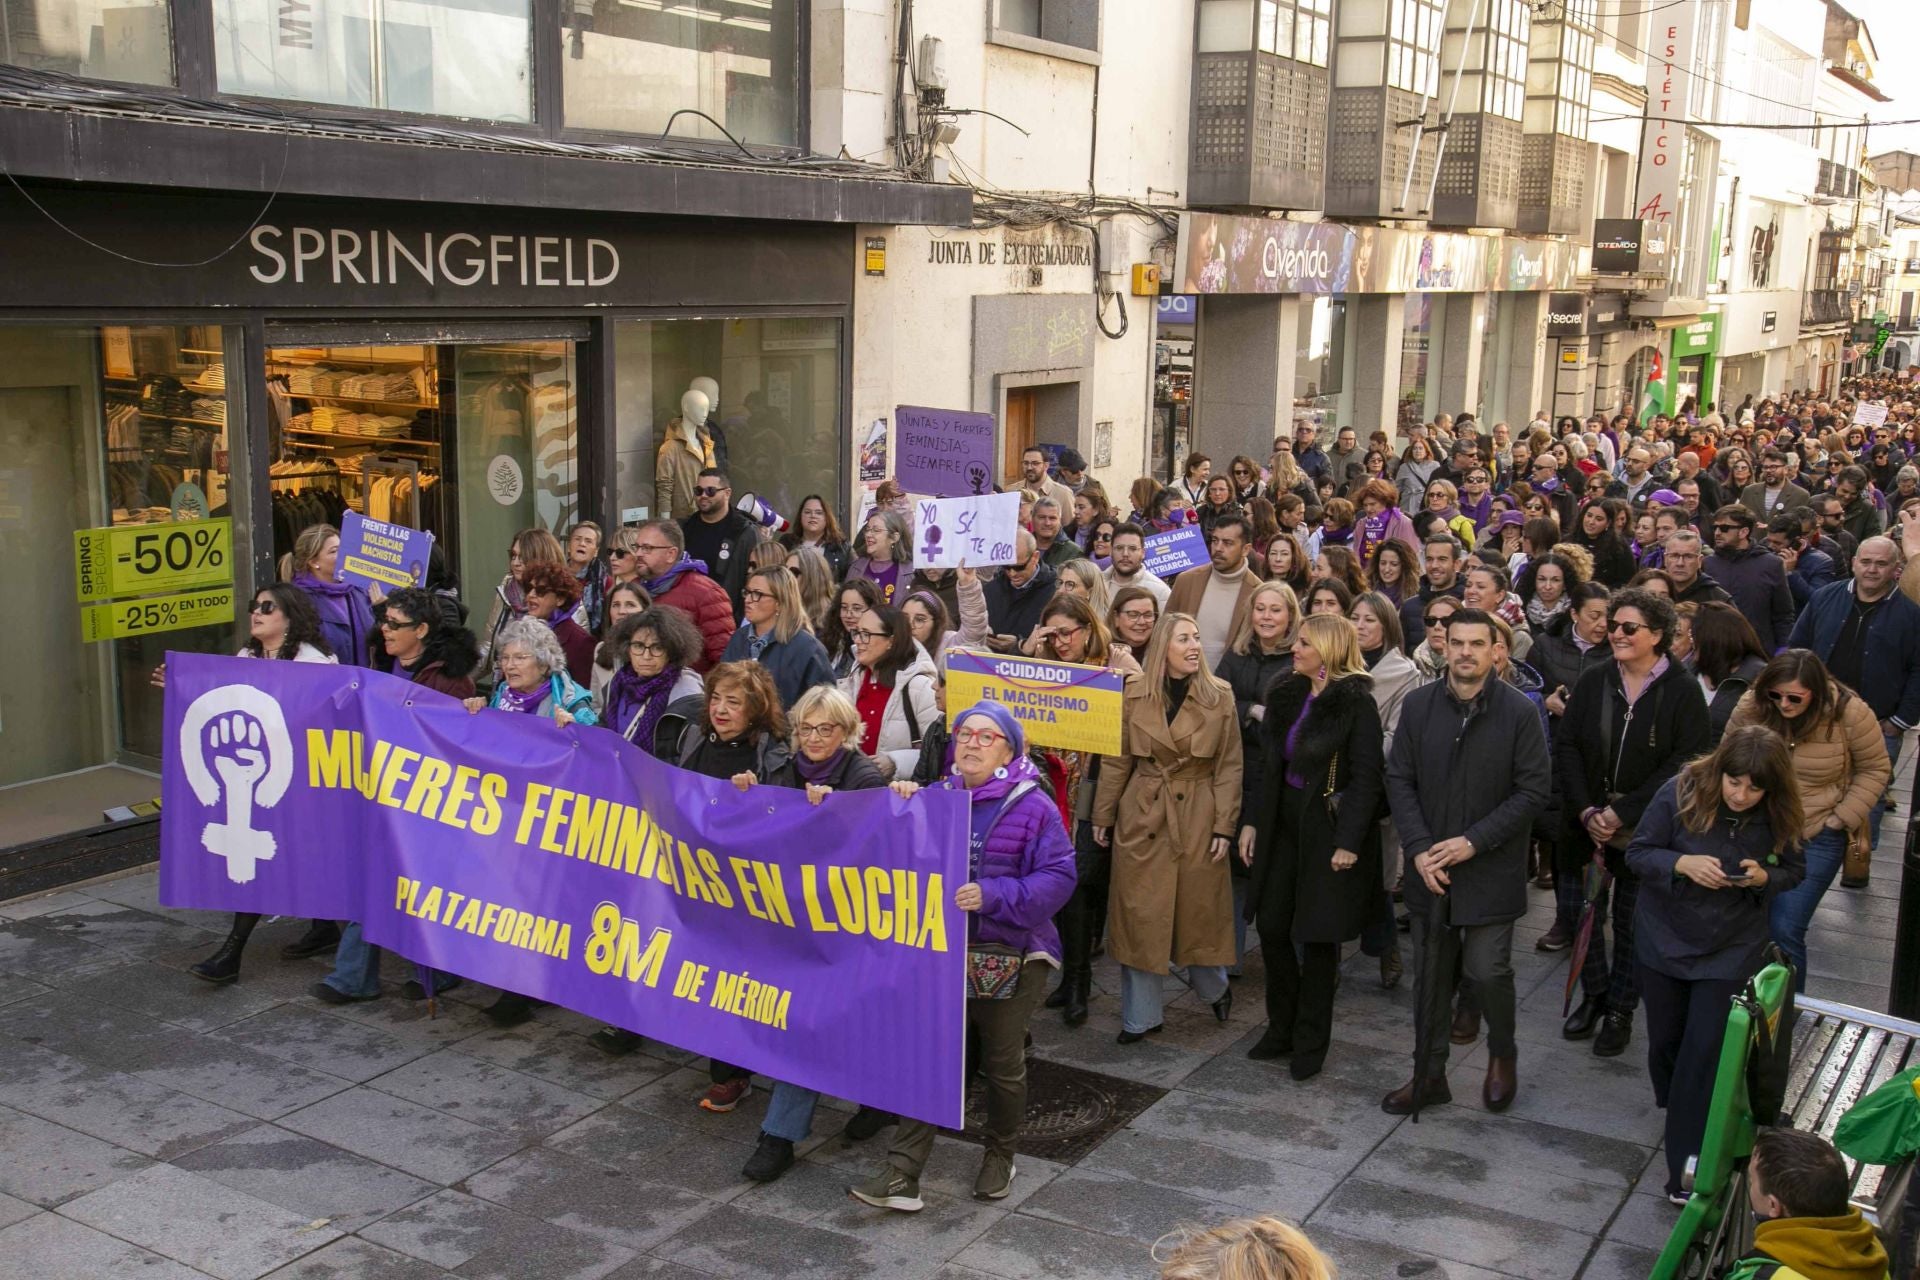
(152, 1124)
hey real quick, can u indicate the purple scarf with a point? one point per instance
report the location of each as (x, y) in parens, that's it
(1373, 532)
(812, 771)
(630, 693)
(346, 617)
(656, 586)
(528, 703)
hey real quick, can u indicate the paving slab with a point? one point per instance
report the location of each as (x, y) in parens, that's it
(352, 1258)
(199, 1222)
(1224, 1178)
(48, 1164)
(111, 1106)
(309, 1035)
(487, 1094)
(1431, 1221)
(563, 1057)
(478, 1239)
(307, 1176)
(749, 1246)
(404, 1135)
(59, 1248)
(1020, 1247)
(583, 1196)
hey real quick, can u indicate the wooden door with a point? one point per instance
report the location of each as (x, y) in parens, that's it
(1016, 433)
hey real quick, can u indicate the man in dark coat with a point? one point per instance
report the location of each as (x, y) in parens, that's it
(1753, 576)
(1017, 594)
(1444, 558)
(1467, 772)
(719, 535)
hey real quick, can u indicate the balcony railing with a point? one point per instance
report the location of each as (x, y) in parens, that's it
(1826, 306)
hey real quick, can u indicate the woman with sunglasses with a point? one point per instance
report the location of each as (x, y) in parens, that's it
(1089, 505)
(1840, 761)
(1629, 726)
(424, 643)
(623, 557)
(528, 548)
(1246, 479)
(1100, 540)
(281, 624)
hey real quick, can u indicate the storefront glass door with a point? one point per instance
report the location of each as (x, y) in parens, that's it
(120, 434)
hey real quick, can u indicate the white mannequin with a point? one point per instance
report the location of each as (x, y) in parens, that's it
(709, 388)
(694, 406)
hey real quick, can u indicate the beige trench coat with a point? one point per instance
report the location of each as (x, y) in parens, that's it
(1172, 788)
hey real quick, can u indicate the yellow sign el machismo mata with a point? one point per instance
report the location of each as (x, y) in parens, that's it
(1059, 704)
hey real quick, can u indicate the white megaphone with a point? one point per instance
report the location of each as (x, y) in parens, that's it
(762, 513)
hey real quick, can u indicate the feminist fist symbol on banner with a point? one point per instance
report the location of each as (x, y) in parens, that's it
(241, 732)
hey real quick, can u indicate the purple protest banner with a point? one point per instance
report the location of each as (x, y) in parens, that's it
(943, 453)
(816, 944)
(1176, 551)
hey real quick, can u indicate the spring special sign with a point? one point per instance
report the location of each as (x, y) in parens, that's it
(1059, 704)
(818, 944)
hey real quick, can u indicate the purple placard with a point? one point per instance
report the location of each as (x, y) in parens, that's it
(943, 453)
(1176, 551)
(567, 865)
(374, 552)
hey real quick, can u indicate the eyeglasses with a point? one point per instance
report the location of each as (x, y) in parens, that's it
(265, 607)
(651, 547)
(642, 649)
(1435, 619)
(1628, 629)
(1781, 698)
(391, 623)
(817, 730)
(861, 635)
(1061, 633)
(853, 608)
(977, 737)
(614, 553)
(1726, 528)
(1136, 615)
(751, 596)
(708, 490)
(1102, 537)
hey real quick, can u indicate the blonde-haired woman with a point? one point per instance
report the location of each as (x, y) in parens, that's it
(1287, 477)
(1167, 805)
(1312, 839)
(1082, 577)
(778, 634)
(818, 586)
(1244, 1249)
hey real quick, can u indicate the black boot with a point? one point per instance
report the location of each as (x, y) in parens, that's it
(510, 1010)
(1058, 997)
(1081, 984)
(224, 964)
(321, 936)
(1585, 1017)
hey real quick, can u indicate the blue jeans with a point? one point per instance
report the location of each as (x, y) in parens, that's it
(1141, 999)
(1793, 910)
(790, 1112)
(356, 967)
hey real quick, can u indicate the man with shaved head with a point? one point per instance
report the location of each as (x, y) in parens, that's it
(1868, 634)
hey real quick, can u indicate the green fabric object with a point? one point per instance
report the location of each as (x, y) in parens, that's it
(1884, 1126)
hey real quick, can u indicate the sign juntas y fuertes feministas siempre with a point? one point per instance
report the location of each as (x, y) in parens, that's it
(817, 944)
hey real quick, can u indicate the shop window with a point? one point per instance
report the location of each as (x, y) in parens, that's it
(773, 422)
(1059, 28)
(1320, 397)
(122, 432)
(129, 42)
(470, 58)
(378, 429)
(631, 66)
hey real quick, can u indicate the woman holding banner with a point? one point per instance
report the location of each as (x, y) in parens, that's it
(533, 681)
(655, 694)
(426, 645)
(1167, 804)
(346, 614)
(1020, 870)
(281, 624)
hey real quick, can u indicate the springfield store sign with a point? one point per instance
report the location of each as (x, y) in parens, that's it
(304, 253)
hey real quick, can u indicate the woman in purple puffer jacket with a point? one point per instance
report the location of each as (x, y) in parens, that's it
(1020, 872)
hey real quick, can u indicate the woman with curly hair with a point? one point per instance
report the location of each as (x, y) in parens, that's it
(1343, 566)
